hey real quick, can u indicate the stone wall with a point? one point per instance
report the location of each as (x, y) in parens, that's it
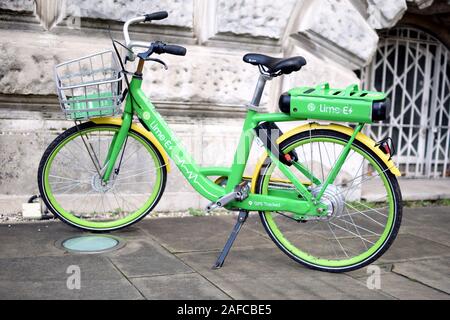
(202, 95)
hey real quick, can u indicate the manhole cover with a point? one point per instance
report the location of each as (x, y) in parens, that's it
(90, 244)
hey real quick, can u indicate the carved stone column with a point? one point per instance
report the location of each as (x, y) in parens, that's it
(49, 12)
(385, 13)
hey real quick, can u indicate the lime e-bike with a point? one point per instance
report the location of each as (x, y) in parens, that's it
(327, 194)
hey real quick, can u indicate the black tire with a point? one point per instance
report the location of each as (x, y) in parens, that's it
(75, 130)
(394, 186)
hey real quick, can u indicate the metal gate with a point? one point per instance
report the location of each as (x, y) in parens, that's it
(413, 68)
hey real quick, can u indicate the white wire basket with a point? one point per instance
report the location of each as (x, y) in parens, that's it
(90, 87)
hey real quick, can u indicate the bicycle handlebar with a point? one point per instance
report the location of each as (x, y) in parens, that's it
(130, 44)
(170, 49)
(159, 47)
(156, 16)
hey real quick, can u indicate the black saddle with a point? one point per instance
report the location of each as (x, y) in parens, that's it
(275, 66)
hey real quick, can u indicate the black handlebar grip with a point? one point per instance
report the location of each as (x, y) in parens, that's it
(156, 16)
(174, 49)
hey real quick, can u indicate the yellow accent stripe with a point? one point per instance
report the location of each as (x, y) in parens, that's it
(258, 167)
(140, 129)
(336, 127)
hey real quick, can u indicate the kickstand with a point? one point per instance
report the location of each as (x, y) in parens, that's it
(237, 227)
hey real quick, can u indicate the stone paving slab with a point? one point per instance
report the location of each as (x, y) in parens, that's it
(200, 233)
(134, 232)
(57, 290)
(44, 268)
(30, 240)
(412, 189)
(409, 247)
(428, 189)
(434, 234)
(45, 277)
(430, 224)
(178, 287)
(433, 273)
(143, 258)
(266, 273)
(171, 258)
(402, 288)
(438, 217)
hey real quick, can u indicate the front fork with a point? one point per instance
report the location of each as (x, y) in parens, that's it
(117, 144)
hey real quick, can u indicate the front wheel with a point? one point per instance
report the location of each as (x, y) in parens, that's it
(364, 202)
(72, 188)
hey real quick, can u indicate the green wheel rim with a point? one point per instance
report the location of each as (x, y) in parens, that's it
(277, 233)
(96, 225)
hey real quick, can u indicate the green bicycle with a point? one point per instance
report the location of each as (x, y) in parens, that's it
(326, 194)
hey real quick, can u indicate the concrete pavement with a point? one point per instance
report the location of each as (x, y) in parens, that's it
(171, 258)
(412, 189)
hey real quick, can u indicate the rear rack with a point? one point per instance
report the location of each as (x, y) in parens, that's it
(352, 91)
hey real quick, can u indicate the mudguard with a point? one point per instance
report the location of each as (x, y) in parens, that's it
(140, 129)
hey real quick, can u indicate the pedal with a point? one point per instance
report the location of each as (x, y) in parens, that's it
(240, 193)
(237, 227)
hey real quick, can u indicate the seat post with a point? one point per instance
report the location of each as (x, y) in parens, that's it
(254, 104)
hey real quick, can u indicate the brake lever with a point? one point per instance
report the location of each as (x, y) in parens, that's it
(158, 61)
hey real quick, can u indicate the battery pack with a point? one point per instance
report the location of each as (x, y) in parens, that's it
(341, 105)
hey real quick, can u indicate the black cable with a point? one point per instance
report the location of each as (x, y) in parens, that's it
(133, 100)
(124, 71)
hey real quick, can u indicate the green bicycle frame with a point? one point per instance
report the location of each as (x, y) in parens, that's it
(305, 205)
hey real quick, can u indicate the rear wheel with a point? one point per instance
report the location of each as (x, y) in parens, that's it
(364, 205)
(72, 188)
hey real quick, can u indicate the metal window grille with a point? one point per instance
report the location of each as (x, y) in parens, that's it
(413, 68)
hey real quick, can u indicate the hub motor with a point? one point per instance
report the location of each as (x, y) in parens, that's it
(333, 198)
(99, 185)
